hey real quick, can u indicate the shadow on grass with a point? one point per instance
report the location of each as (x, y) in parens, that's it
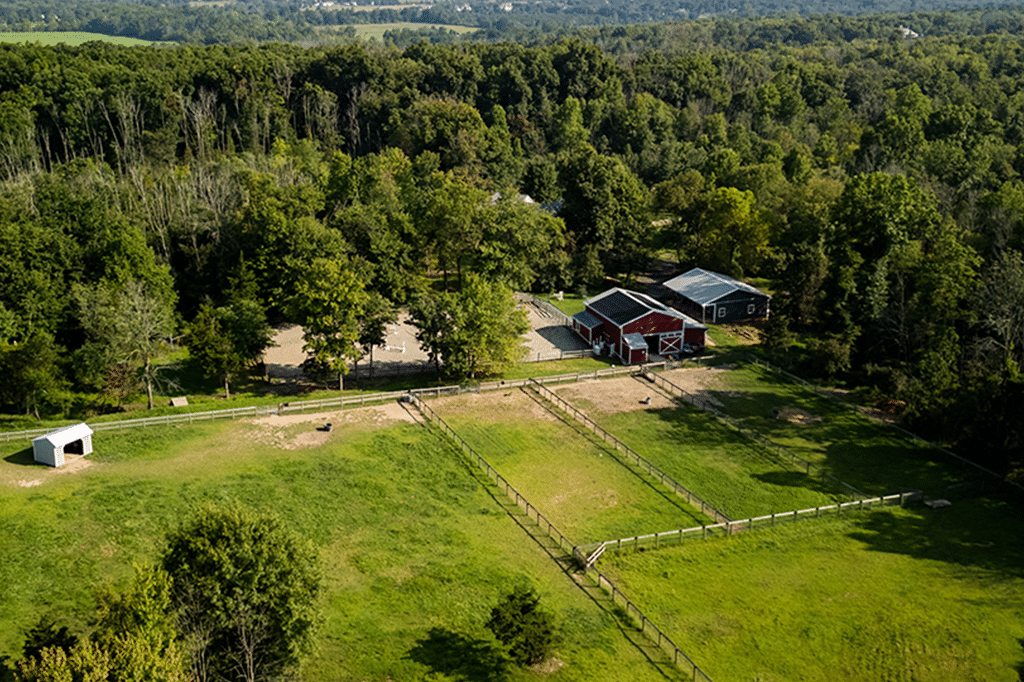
(979, 533)
(461, 657)
(798, 479)
(22, 457)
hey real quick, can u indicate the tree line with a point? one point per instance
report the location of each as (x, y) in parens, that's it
(876, 184)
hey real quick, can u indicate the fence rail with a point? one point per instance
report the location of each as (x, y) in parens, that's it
(679, 657)
(640, 461)
(546, 309)
(781, 451)
(676, 537)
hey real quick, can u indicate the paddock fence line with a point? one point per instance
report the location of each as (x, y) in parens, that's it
(691, 497)
(559, 355)
(679, 657)
(305, 405)
(644, 624)
(239, 412)
(670, 538)
(545, 308)
(1014, 488)
(771, 446)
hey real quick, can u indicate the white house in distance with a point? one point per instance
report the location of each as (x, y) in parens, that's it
(51, 447)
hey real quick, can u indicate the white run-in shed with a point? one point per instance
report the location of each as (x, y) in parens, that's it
(73, 440)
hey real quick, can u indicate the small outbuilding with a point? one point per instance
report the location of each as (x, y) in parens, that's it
(72, 440)
(715, 298)
(632, 326)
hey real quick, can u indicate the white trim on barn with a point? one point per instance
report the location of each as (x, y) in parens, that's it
(49, 448)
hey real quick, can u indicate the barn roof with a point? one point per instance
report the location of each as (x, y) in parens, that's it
(586, 319)
(622, 307)
(66, 434)
(704, 286)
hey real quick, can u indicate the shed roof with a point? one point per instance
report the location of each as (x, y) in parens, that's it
(66, 434)
(704, 286)
(586, 319)
(635, 341)
(622, 307)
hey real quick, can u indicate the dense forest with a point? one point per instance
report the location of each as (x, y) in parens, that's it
(875, 183)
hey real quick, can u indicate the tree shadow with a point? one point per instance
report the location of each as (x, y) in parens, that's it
(798, 479)
(981, 533)
(22, 458)
(461, 657)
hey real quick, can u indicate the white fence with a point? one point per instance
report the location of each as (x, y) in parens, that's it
(587, 554)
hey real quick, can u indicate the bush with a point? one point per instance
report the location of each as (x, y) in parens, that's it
(527, 631)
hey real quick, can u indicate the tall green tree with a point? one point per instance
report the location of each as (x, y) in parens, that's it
(330, 302)
(474, 332)
(245, 593)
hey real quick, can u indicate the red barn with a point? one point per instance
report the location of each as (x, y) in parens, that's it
(631, 325)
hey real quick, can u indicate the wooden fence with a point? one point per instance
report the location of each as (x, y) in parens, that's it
(546, 309)
(589, 553)
(678, 656)
(771, 446)
(238, 412)
(640, 461)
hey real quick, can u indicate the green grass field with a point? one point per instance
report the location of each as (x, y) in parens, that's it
(579, 484)
(416, 547)
(415, 550)
(923, 595)
(850, 446)
(69, 38)
(377, 31)
(725, 468)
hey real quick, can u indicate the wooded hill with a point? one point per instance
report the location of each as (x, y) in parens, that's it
(876, 183)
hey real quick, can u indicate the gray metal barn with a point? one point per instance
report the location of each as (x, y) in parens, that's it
(715, 298)
(51, 447)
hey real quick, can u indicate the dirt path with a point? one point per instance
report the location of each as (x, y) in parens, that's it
(626, 394)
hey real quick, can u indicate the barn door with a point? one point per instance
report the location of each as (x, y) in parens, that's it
(670, 344)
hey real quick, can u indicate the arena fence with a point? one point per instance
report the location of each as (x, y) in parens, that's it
(644, 624)
(641, 462)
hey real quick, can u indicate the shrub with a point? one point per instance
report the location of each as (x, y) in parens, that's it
(527, 631)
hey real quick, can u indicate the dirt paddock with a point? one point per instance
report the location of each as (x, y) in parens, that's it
(626, 394)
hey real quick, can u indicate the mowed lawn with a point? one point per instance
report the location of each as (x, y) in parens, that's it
(724, 467)
(850, 446)
(892, 594)
(580, 485)
(415, 550)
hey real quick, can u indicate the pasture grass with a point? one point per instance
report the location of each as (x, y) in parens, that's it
(850, 446)
(890, 594)
(725, 468)
(415, 551)
(577, 482)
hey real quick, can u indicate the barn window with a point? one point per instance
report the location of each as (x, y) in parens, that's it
(750, 309)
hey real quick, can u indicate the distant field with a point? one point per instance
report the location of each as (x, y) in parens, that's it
(415, 550)
(376, 31)
(68, 38)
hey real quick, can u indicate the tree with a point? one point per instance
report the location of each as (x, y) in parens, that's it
(210, 345)
(245, 592)
(526, 630)
(373, 326)
(330, 303)
(130, 323)
(31, 373)
(474, 332)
